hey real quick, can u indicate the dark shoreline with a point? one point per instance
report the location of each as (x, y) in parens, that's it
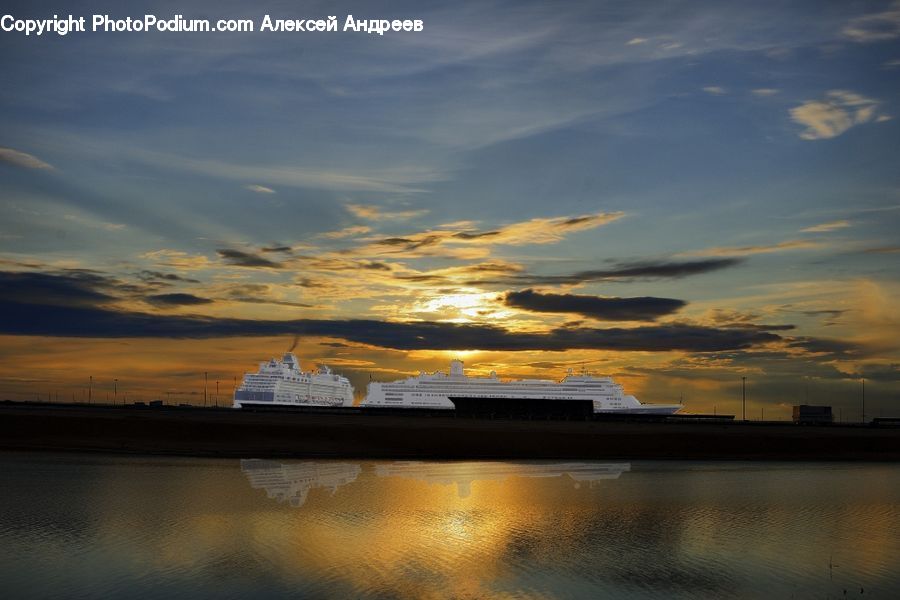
(210, 432)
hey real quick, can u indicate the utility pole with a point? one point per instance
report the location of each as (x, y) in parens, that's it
(217, 393)
(863, 399)
(91, 389)
(205, 384)
(743, 398)
(115, 391)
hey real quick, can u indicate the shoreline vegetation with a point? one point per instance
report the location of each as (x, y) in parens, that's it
(225, 432)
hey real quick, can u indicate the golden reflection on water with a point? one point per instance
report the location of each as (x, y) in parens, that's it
(419, 529)
(437, 530)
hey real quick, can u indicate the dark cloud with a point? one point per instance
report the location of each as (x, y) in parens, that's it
(475, 235)
(645, 308)
(240, 258)
(257, 293)
(888, 373)
(160, 277)
(762, 326)
(70, 288)
(177, 299)
(828, 346)
(276, 248)
(255, 300)
(409, 244)
(77, 321)
(827, 313)
(641, 270)
(883, 250)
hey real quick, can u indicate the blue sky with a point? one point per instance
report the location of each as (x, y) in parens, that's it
(762, 133)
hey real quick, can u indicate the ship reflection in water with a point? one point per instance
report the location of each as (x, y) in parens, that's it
(463, 474)
(103, 526)
(291, 482)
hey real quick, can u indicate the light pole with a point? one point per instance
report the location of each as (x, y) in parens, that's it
(205, 384)
(90, 389)
(217, 393)
(743, 398)
(115, 391)
(863, 399)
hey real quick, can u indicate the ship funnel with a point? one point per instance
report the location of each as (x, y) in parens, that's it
(456, 367)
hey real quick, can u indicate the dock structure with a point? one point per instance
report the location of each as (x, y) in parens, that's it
(808, 414)
(356, 433)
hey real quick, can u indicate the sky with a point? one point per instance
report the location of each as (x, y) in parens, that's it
(676, 194)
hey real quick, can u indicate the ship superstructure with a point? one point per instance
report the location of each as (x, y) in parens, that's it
(282, 383)
(436, 391)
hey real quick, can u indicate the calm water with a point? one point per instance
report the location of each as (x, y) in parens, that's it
(89, 526)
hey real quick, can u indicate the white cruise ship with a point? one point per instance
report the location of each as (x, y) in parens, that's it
(435, 390)
(282, 383)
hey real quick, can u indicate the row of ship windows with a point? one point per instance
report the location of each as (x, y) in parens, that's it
(444, 395)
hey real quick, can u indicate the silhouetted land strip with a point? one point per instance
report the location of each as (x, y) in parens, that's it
(332, 433)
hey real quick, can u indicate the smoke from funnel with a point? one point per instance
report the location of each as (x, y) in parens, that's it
(294, 344)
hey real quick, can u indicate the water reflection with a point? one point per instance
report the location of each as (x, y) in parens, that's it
(177, 528)
(465, 473)
(291, 483)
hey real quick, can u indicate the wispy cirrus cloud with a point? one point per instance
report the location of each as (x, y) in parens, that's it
(346, 232)
(756, 249)
(826, 227)
(177, 259)
(377, 213)
(633, 271)
(259, 189)
(875, 27)
(22, 159)
(537, 231)
(837, 112)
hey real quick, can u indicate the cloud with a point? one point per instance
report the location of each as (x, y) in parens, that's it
(534, 231)
(88, 222)
(875, 27)
(759, 249)
(764, 92)
(596, 307)
(22, 159)
(403, 179)
(375, 213)
(239, 258)
(259, 189)
(629, 271)
(715, 90)
(635, 41)
(69, 287)
(177, 299)
(836, 113)
(151, 276)
(883, 250)
(258, 293)
(177, 259)
(17, 318)
(887, 373)
(826, 227)
(347, 232)
(831, 348)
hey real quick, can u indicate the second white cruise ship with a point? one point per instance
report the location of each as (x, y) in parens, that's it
(436, 390)
(281, 383)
